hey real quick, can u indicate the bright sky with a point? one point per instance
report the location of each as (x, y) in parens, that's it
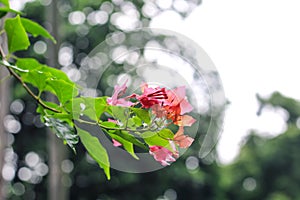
(255, 45)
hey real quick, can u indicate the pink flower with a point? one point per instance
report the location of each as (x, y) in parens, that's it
(163, 155)
(159, 111)
(184, 120)
(176, 105)
(118, 92)
(151, 96)
(182, 140)
(116, 143)
(112, 120)
(176, 97)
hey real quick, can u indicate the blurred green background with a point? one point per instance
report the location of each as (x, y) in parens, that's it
(36, 166)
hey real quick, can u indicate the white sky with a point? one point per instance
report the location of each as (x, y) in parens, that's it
(255, 45)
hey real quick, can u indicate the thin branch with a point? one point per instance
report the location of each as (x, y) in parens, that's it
(114, 128)
(13, 73)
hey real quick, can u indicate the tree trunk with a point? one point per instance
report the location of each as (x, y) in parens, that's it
(57, 150)
(4, 105)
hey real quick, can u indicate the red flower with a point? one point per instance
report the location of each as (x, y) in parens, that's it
(177, 98)
(177, 105)
(151, 96)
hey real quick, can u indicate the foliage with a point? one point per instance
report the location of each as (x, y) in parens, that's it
(148, 118)
(267, 168)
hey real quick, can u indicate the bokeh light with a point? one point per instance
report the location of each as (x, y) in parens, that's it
(40, 47)
(76, 17)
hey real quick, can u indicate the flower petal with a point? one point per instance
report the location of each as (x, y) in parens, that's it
(162, 155)
(159, 111)
(185, 120)
(185, 107)
(119, 90)
(176, 95)
(124, 103)
(116, 143)
(182, 140)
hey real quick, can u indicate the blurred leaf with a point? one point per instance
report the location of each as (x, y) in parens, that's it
(62, 130)
(96, 150)
(5, 2)
(4, 11)
(166, 133)
(16, 34)
(35, 29)
(142, 114)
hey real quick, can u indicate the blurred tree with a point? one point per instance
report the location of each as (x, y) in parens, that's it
(57, 150)
(268, 168)
(4, 104)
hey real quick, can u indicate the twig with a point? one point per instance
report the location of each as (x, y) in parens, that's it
(14, 74)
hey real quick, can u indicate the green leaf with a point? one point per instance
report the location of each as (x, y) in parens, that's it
(56, 74)
(31, 72)
(5, 10)
(128, 146)
(64, 91)
(46, 78)
(66, 117)
(166, 134)
(28, 65)
(41, 109)
(16, 34)
(35, 29)
(96, 105)
(153, 139)
(109, 124)
(5, 2)
(88, 106)
(142, 114)
(62, 130)
(130, 138)
(120, 113)
(96, 150)
(135, 122)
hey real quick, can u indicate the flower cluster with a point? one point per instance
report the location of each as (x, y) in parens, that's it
(167, 107)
